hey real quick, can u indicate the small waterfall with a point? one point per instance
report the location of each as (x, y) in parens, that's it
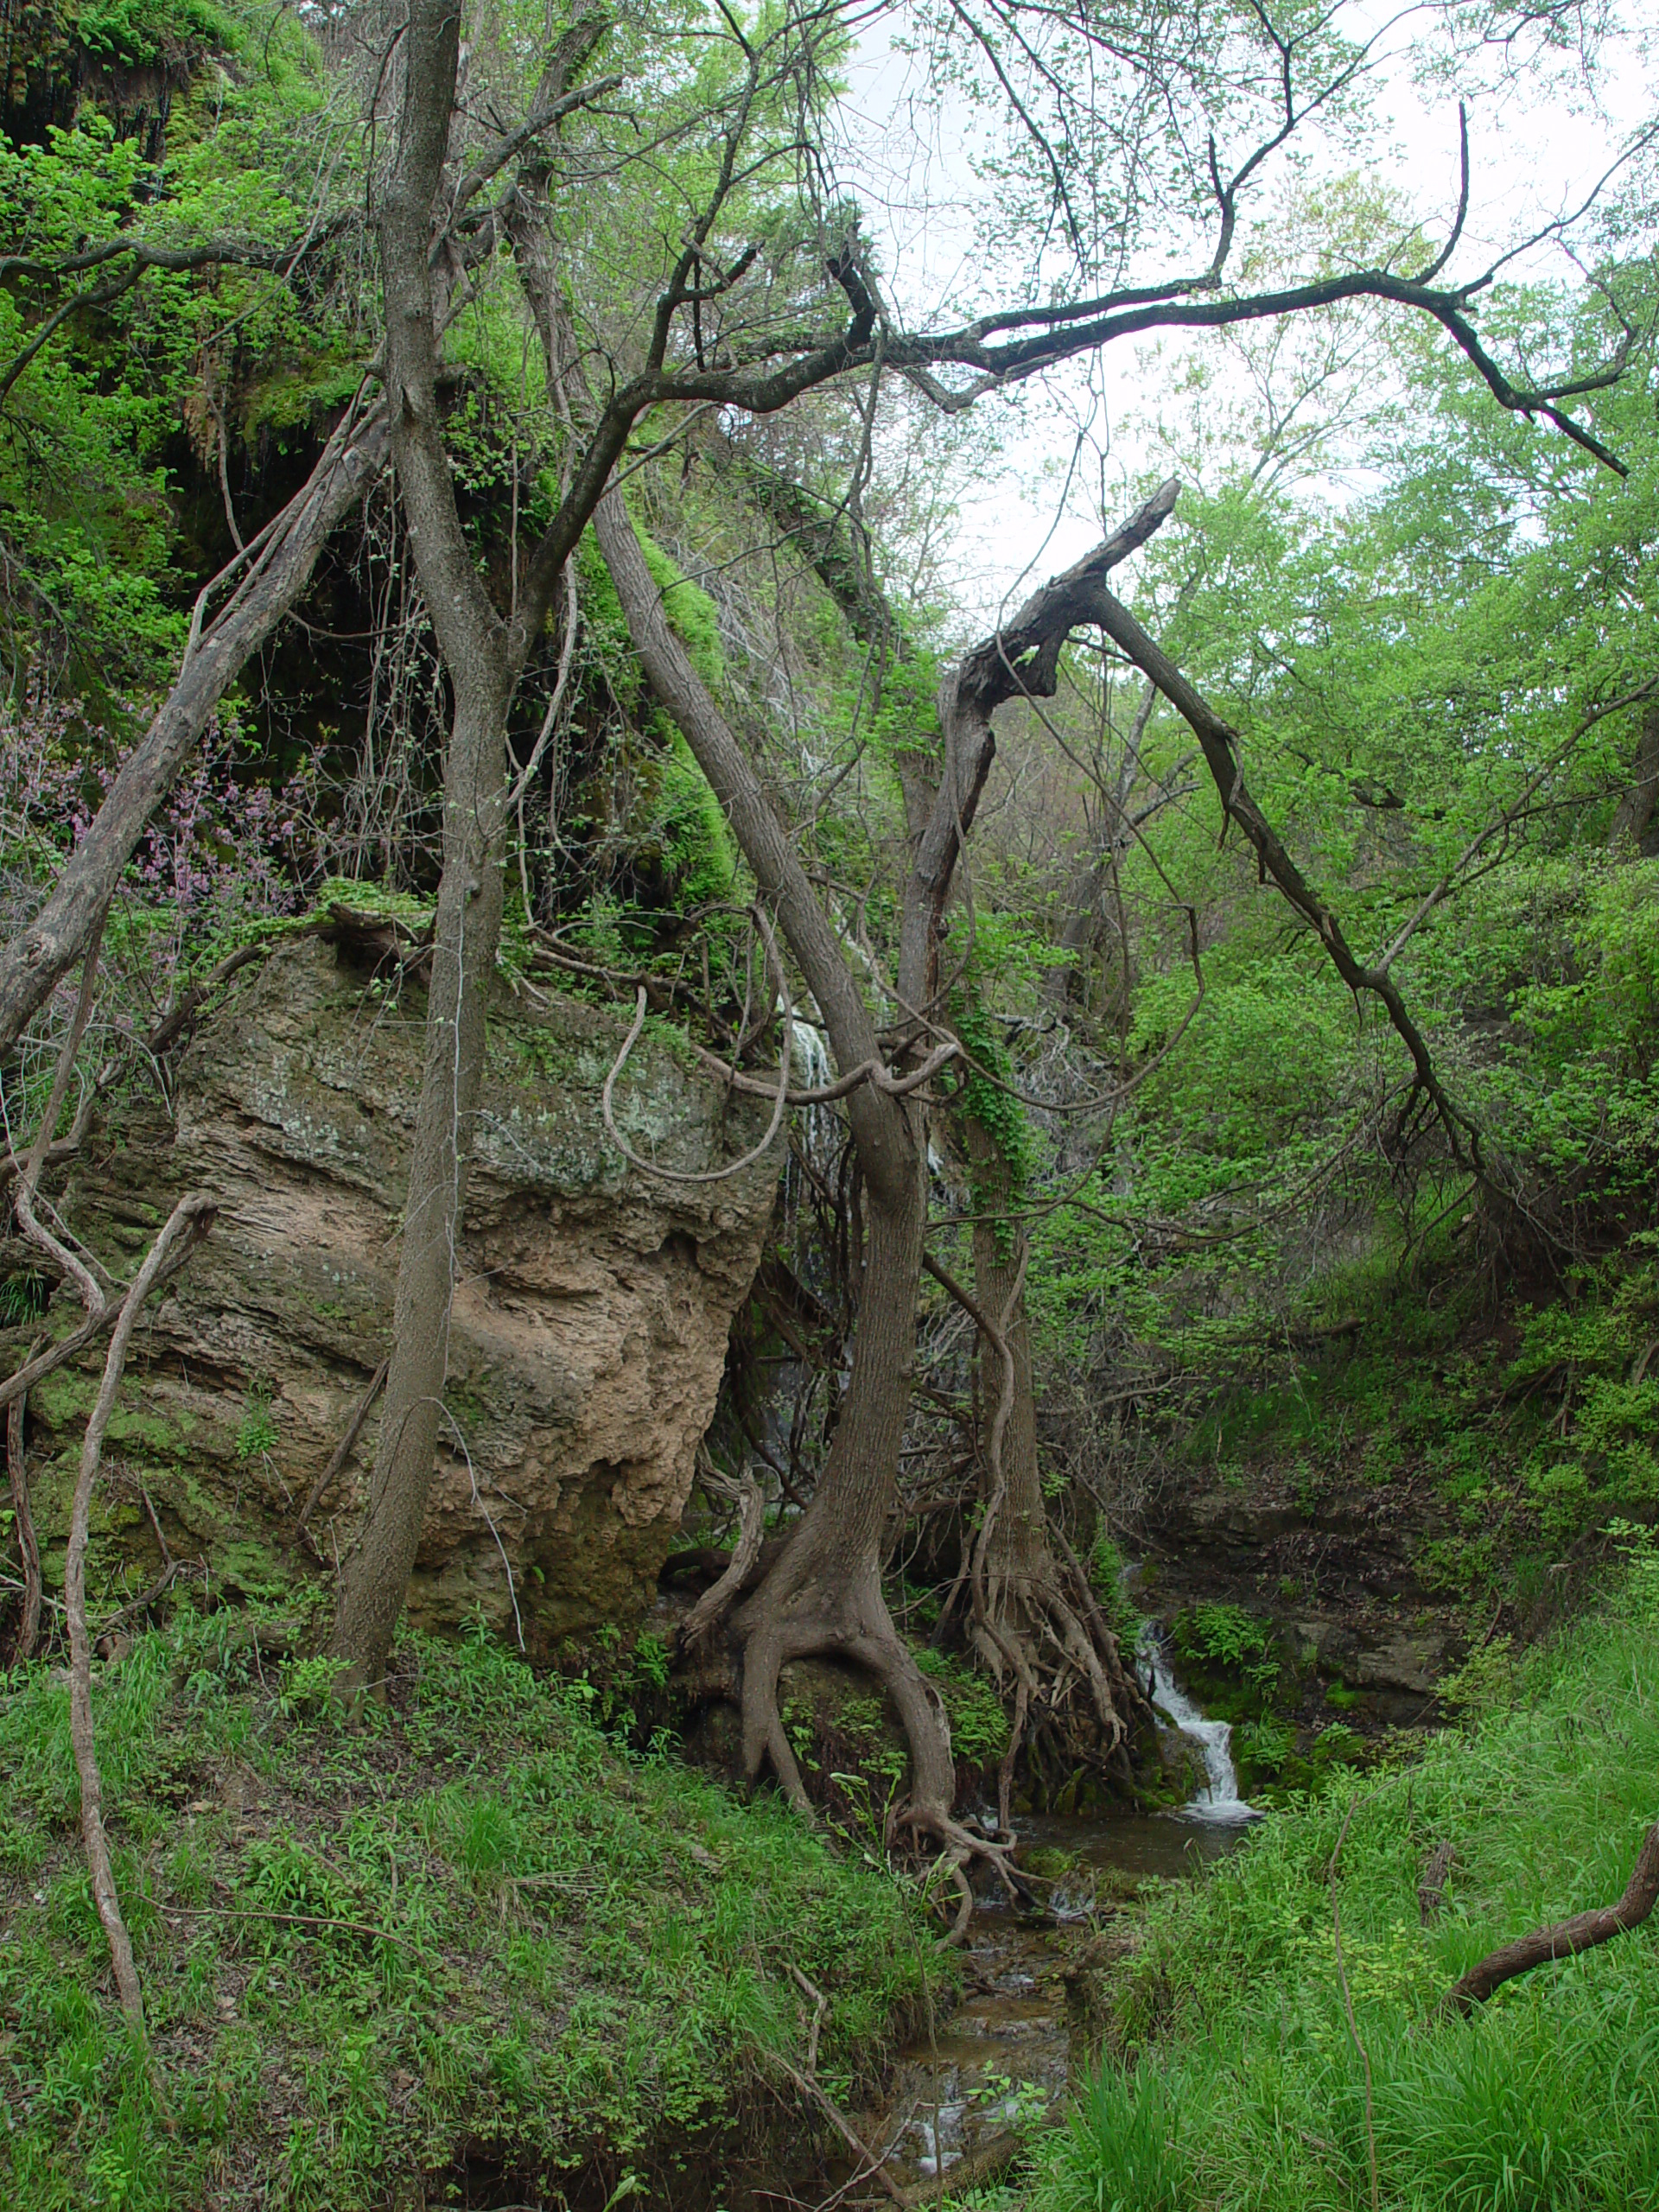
(1219, 1800)
(809, 1067)
(811, 1052)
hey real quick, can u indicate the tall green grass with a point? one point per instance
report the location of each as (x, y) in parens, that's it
(476, 1928)
(1237, 2081)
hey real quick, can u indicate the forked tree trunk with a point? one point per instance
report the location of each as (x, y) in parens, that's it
(824, 1592)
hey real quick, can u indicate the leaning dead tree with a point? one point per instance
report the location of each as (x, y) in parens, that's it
(236, 614)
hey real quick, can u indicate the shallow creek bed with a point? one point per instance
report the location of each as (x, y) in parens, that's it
(1027, 2019)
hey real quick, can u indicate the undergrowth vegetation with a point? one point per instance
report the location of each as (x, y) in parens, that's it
(477, 1936)
(1236, 2078)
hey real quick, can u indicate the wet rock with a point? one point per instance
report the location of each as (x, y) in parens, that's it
(1412, 1663)
(1334, 1574)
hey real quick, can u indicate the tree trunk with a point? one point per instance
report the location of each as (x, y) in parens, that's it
(825, 1592)
(1016, 1543)
(1084, 928)
(1033, 1618)
(1633, 816)
(474, 643)
(468, 936)
(483, 656)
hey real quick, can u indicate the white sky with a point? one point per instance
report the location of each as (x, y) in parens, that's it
(1532, 158)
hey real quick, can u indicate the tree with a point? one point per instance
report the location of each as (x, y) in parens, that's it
(763, 292)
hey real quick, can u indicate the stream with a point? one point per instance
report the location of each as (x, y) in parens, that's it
(1002, 2057)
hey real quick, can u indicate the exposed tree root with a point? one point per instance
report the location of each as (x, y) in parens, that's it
(1034, 1619)
(717, 1602)
(775, 1631)
(1075, 1704)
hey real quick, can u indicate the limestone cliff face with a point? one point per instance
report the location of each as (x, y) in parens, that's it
(589, 1329)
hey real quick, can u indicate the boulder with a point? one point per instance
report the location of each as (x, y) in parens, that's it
(590, 1322)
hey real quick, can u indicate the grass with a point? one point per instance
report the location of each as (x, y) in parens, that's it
(1236, 2082)
(475, 1934)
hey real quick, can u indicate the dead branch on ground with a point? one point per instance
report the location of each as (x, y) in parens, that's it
(185, 1228)
(1564, 1939)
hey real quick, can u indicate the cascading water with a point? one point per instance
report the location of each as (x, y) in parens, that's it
(1219, 1800)
(809, 1056)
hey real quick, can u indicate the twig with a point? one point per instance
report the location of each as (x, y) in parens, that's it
(28, 1546)
(821, 2005)
(302, 1920)
(34, 1369)
(163, 1582)
(844, 2127)
(715, 1174)
(186, 1226)
(342, 1451)
(1431, 1883)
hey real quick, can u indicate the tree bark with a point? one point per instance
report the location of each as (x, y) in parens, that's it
(28, 1546)
(467, 934)
(1016, 1544)
(1633, 815)
(33, 962)
(1564, 1939)
(463, 965)
(1033, 1618)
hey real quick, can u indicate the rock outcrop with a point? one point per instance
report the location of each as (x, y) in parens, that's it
(1337, 1577)
(590, 1322)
